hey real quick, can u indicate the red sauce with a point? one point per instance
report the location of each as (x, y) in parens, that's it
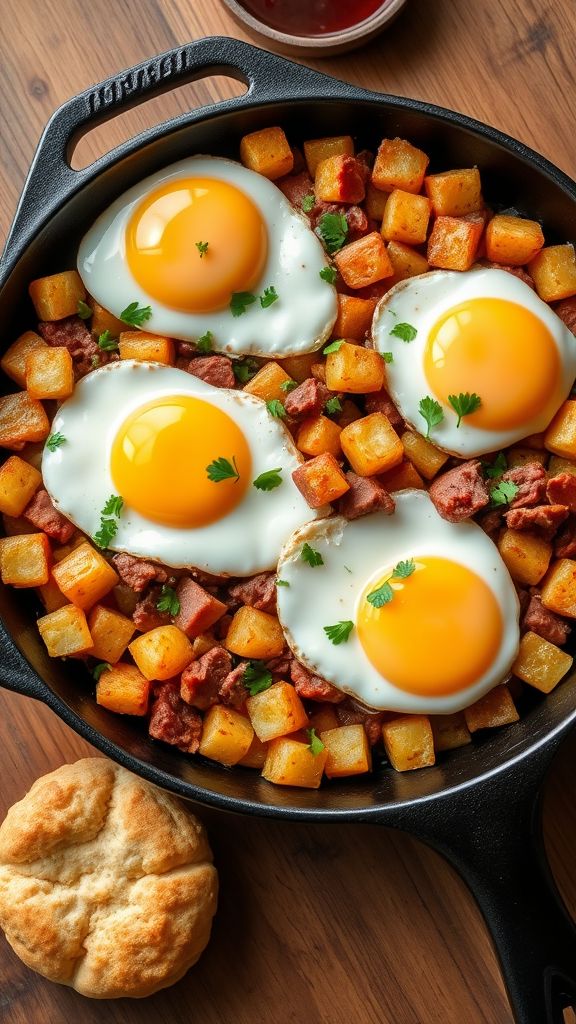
(312, 17)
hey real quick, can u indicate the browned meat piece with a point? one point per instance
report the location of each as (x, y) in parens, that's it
(566, 310)
(544, 519)
(491, 522)
(366, 160)
(350, 713)
(461, 492)
(356, 218)
(531, 483)
(565, 542)
(172, 721)
(366, 495)
(311, 687)
(41, 513)
(280, 666)
(137, 573)
(561, 490)
(72, 333)
(232, 689)
(200, 682)
(518, 272)
(199, 610)
(146, 615)
(295, 187)
(222, 626)
(215, 370)
(544, 622)
(259, 592)
(185, 349)
(308, 399)
(380, 401)
(523, 598)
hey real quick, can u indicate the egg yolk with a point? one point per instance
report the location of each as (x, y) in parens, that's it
(438, 635)
(502, 352)
(162, 251)
(160, 460)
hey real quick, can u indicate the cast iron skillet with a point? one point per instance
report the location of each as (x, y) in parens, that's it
(480, 806)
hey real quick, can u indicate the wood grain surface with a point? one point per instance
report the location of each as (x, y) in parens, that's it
(332, 924)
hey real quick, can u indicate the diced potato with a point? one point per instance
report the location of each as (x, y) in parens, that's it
(339, 179)
(254, 634)
(540, 663)
(289, 763)
(19, 481)
(226, 735)
(401, 477)
(558, 465)
(494, 709)
(513, 240)
(348, 751)
(298, 368)
(58, 295)
(277, 711)
(521, 456)
(350, 412)
(51, 595)
(316, 150)
(49, 373)
(560, 438)
(162, 652)
(64, 550)
(324, 718)
(202, 644)
(406, 218)
(255, 757)
(111, 633)
(455, 193)
(526, 556)
(123, 689)
(558, 591)
(398, 164)
(375, 202)
(371, 445)
(364, 261)
(453, 243)
(13, 361)
(424, 455)
(449, 731)
(22, 420)
(84, 576)
(319, 434)
(318, 370)
(65, 632)
(103, 320)
(554, 272)
(406, 262)
(267, 152)
(409, 742)
(354, 317)
(25, 560)
(321, 480)
(355, 369)
(146, 347)
(267, 383)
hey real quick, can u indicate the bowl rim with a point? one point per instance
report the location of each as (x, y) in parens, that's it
(354, 33)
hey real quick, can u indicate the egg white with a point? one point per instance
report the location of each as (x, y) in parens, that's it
(421, 301)
(77, 474)
(355, 554)
(299, 321)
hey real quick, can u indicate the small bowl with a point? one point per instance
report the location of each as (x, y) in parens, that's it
(326, 45)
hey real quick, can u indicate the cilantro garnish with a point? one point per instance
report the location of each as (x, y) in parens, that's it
(334, 346)
(102, 666)
(328, 274)
(136, 315)
(202, 248)
(384, 593)
(308, 202)
(54, 441)
(244, 369)
(311, 556)
(204, 344)
(223, 469)
(406, 332)
(333, 405)
(269, 480)
(107, 343)
(275, 408)
(84, 311)
(432, 413)
(268, 296)
(495, 469)
(388, 357)
(109, 521)
(256, 678)
(503, 493)
(464, 404)
(282, 583)
(288, 385)
(168, 601)
(339, 633)
(240, 301)
(333, 230)
(315, 745)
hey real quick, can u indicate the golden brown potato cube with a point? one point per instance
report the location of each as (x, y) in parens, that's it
(320, 480)
(371, 444)
(146, 347)
(290, 763)
(62, 552)
(22, 420)
(318, 370)
(162, 652)
(324, 718)
(354, 317)
(277, 711)
(123, 689)
(51, 595)
(50, 373)
(13, 361)
(58, 295)
(267, 152)
(111, 633)
(526, 556)
(339, 179)
(226, 735)
(364, 261)
(84, 576)
(25, 559)
(399, 165)
(449, 731)
(19, 482)
(103, 320)
(495, 708)
(202, 644)
(316, 150)
(255, 756)
(267, 383)
(513, 240)
(298, 368)
(540, 663)
(521, 456)
(405, 261)
(354, 369)
(557, 465)
(406, 218)
(560, 438)
(554, 272)
(401, 477)
(348, 751)
(454, 193)
(65, 632)
(558, 591)
(318, 434)
(375, 202)
(453, 243)
(254, 634)
(409, 742)
(424, 455)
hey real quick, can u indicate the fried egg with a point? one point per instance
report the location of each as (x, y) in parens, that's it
(187, 238)
(484, 332)
(447, 634)
(155, 436)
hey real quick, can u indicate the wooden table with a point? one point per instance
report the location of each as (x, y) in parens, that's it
(336, 924)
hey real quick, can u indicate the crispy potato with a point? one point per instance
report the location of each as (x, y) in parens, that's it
(355, 370)
(494, 709)
(558, 591)
(364, 261)
(254, 634)
(111, 633)
(521, 456)
(267, 152)
(554, 272)
(540, 663)
(449, 731)
(398, 164)
(406, 218)
(49, 373)
(275, 712)
(255, 756)
(453, 243)
(319, 434)
(84, 576)
(202, 644)
(58, 295)
(513, 240)
(65, 632)
(371, 444)
(317, 150)
(103, 320)
(354, 317)
(318, 370)
(146, 347)
(123, 689)
(424, 455)
(162, 652)
(324, 718)
(298, 368)
(51, 596)
(455, 193)
(408, 742)
(402, 476)
(348, 751)
(22, 420)
(25, 560)
(558, 465)
(526, 556)
(375, 202)
(267, 384)
(560, 437)
(13, 361)
(339, 179)
(19, 482)
(406, 262)
(226, 735)
(290, 763)
(321, 480)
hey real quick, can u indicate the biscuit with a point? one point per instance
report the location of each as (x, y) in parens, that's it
(106, 883)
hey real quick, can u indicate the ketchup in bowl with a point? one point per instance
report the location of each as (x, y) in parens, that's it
(312, 17)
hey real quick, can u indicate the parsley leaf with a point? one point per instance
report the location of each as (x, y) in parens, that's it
(464, 404)
(495, 469)
(202, 248)
(84, 311)
(431, 411)
(107, 343)
(244, 369)
(339, 633)
(113, 506)
(268, 297)
(54, 441)
(288, 385)
(388, 357)
(136, 315)
(223, 469)
(311, 556)
(269, 480)
(404, 569)
(275, 408)
(503, 493)
(168, 601)
(333, 405)
(109, 521)
(315, 745)
(328, 274)
(204, 344)
(334, 346)
(240, 301)
(256, 678)
(406, 332)
(333, 230)
(101, 667)
(308, 202)
(282, 583)
(381, 596)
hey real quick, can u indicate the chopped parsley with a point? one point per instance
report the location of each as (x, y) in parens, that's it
(204, 344)
(328, 274)
(84, 311)
(168, 601)
(202, 248)
(102, 666)
(406, 332)
(384, 593)
(339, 633)
(136, 315)
(315, 745)
(240, 301)
(388, 357)
(256, 678)
(334, 346)
(54, 441)
(109, 521)
(431, 412)
(244, 369)
(107, 343)
(464, 404)
(311, 556)
(333, 230)
(288, 385)
(503, 493)
(223, 469)
(275, 408)
(269, 480)
(495, 469)
(282, 583)
(268, 296)
(333, 406)
(308, 202)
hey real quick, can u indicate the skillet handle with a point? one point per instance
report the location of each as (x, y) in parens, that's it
(15, 672)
